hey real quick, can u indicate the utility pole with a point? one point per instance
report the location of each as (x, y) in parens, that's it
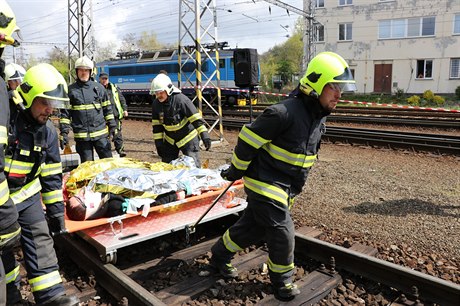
(310, 34)
(81, 35)
(198, 44)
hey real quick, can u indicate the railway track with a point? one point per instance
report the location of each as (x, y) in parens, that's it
(180, 277)
(420, 142)
(356, 115)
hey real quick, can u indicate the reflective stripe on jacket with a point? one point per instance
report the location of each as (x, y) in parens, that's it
(90, 112)
(176, 121)
(277, 150)
(33, 166)
(8, 213)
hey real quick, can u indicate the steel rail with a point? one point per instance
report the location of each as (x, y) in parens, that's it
(396, 139)
(384, 138)
(429, 288)
(112, 279)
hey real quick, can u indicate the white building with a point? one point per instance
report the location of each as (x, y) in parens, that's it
(413, 45)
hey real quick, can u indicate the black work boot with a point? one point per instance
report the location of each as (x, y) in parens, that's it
(286, 292)
(224, 269)
(9, 236)
(121, 153)
(62, 300)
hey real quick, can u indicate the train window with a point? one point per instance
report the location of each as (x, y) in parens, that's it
(165, 54)
(120, 71)
(188, 67)
(232, 63)
(222, 63)
(205, 66)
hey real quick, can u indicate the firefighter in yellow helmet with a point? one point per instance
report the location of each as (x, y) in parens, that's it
(34, 174)
(9, 227)
(274, 154)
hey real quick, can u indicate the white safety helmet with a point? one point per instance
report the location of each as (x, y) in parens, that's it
(84, 63)
(14, 72)
(162, 82)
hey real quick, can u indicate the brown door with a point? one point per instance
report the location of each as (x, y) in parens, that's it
(382, 78)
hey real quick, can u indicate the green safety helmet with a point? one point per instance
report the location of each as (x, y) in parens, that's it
(327, 67)
(7, 25)
(43, 80)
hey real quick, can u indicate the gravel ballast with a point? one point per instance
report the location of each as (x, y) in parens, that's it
(405, 204)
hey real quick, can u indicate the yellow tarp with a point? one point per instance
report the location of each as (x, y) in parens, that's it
(81, 176)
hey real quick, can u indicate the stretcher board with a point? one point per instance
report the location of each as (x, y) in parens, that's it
(108, 235)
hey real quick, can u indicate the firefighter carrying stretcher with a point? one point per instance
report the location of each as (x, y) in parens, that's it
(34, 173)
(274, 154)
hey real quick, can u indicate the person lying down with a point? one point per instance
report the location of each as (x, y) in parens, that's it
(89, 205)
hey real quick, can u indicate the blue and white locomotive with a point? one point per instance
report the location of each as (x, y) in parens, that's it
(133, 73)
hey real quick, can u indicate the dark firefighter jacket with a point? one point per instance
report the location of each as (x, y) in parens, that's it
(33, 165)
(176, 121)
(90, 112)
(8, 213)
(277, 150)
(117, 100)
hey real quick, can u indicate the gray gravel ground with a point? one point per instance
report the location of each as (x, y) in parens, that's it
(405, 204)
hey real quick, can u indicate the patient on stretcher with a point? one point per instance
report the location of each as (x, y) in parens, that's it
(88, 205)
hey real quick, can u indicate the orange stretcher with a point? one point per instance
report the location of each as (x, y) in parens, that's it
(107, 235)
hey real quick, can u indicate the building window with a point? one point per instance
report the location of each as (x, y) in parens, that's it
(407, 27)
(319, 3)
(457, 24)
(319, 33)
(424, 69)
(345, 2)
(345, 31)
(455, 68)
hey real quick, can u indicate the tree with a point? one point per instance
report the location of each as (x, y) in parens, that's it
(129, 43)
(105, 52)
(149, 41)
(58, 58)
(284, 60)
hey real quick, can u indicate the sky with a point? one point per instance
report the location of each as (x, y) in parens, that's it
(241, 23)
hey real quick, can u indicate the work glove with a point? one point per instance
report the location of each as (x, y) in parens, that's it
(206, 140)
(57, 224)
(9, 236)
(113, 132)
(207, 143)
(63, 140)
(231, 174)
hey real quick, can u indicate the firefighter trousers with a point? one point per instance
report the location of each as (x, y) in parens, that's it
(2, 284)
(39, 258)
(191, 148)
(262, 220)
(85, 149)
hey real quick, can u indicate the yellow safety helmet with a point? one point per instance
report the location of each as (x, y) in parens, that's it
(327, 67)
(7, 25)
(162, 82)
(14, 72)
(43, 80)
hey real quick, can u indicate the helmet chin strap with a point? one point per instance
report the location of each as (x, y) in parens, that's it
(308, 91)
